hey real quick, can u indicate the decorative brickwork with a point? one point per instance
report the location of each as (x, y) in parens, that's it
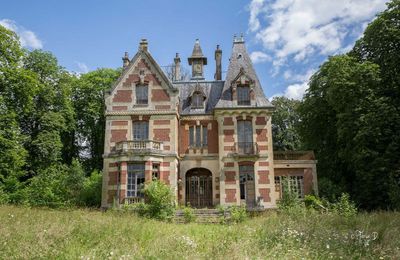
(230, 177)
(229, 164)
(261, 135)
(230, 195)
(119, 108)
(123, 96)
(162, 107)
(263, 177)
(119, 123)
(265, 193)
(228, 121)
(228, 136)
(161, 122)
(261, 121)
(118, 135)
(158, 95)
(161, 134)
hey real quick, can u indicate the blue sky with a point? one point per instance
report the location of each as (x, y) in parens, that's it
(287, 39)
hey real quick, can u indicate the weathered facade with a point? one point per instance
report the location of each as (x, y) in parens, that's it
(210, 140)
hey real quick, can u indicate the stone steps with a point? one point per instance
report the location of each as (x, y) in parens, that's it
(202, 216)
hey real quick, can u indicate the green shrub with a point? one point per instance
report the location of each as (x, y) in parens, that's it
(290, 199)
(160, 201)
(4, 198)
(238, 214)
(188, 214)
(345, 207)
(313, 202)
(90, 195)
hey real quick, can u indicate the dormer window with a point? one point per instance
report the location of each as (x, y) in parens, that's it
(197, 100)
(243, 95)
(142, 95)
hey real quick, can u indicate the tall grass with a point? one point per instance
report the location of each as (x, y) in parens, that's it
(73, 234)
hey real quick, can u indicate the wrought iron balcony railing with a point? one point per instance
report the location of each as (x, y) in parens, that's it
(139, 145)
(246, 148)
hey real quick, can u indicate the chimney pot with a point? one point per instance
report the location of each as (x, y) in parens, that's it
(143, 46)
(125, 60)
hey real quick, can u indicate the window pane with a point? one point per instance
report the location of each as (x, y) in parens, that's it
(243, 95)
(197, 100)
(141, 130)
(141, 94)
(135, 180)
(198, 136)
(205, 137)
(191, 136)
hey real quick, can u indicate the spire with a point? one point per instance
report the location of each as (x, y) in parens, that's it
(197, 53)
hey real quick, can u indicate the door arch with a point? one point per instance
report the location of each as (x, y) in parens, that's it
(198, 189)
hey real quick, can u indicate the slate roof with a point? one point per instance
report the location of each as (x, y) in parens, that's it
(211, 89)
(240, 59)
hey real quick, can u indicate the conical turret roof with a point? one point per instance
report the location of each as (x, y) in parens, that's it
(197, 53)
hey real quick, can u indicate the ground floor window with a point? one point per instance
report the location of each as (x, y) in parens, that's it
(136, 180)
(246, 177)
(294, 183)
(156, 171)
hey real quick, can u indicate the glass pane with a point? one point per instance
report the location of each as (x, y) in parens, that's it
(205, 133)
(198, 136)
(243, 95)
(141, 94)
(191, 136)
(141, 130)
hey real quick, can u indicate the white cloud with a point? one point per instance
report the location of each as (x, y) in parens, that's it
(296, 91)
(258, 57)
(83, 68)
(27, 38)
(302, 28)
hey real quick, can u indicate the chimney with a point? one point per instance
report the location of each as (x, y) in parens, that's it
(125, 60)
(177, 70)
(143, 45)
(218, 69)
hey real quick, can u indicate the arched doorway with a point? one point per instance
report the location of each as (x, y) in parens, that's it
(199, 188)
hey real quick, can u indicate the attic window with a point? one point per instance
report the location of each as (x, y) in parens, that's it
(239, 56)
(243, 95)
(142, 95)
(197, 100)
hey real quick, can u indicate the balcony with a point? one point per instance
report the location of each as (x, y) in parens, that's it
(139, 146)
(293, 155)
(246, 148)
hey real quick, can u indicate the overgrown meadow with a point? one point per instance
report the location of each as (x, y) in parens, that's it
(28, 233)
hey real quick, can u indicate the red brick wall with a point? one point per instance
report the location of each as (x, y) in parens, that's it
(153, 78)
(261, 135)
(162, 107)
(118, 135)
(261, 121)
(230, 177)
(123, 96)
(183, 139)
(162, 134)
(228, 121)
(113, 178)
(308, 181)
(159, 95)
(161, 122)
(118, 123)
(230, 195)
(165, 176)
(119, 108)
(264, 192)
(228, 135)
(263, 177)
(229, 164)
(212, 136)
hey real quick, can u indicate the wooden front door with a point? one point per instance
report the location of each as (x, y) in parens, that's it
(199, 188)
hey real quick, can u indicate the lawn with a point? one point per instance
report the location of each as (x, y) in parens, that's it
(27, 233)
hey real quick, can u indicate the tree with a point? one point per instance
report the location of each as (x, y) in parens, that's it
(284, 122)
(88, 102)
(170, 72)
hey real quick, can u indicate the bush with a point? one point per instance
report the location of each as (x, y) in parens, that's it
(289, 198)
(90, 195)
(313, 202)
(4, 198)
(160, 201)
(238, 214)
(345, 207)
(188, 214)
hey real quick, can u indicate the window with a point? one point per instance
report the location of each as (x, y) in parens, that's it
(141, 95)
(295, 184)
(243, 95)
(135, 180)
(245, 137)
(246, 174)
(197, 100)
(198, 136)
(140, 130)
(156, 171)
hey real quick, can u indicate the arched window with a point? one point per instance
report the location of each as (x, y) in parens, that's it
(197, 100)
